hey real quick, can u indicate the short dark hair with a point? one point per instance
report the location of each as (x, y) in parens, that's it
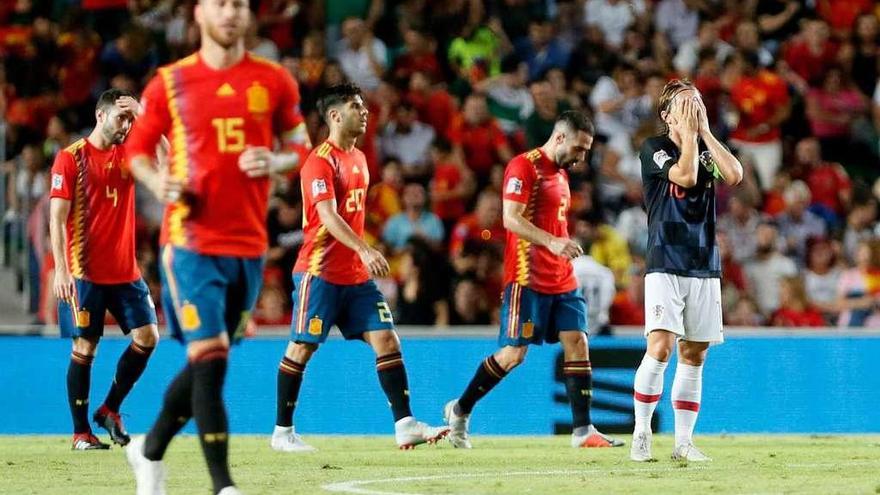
(108, 98)
(334, 95)
(578, 121)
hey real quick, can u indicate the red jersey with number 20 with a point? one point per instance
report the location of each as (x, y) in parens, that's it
(100, 225)
(210, 117)
(333, 173)
(534, 180)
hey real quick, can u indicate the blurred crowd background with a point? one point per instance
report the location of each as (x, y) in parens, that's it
(456, 88)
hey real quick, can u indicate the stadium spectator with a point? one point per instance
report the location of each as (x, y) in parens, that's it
(677, 20)
(778, 20)
(383, 199)
(618, 102)
(483, 226)
(433, 103)
(421, 298)
(632, 220)
(829, 183)
(734, 283)
(547, 106)
(859, 227)
(744, 314)
(740, 224)
(284, 227)
(476, 135)
(747, 39)
(688, 54)
(596, 283)
(362, 57)
(418, 55)
(131, 54)
(797, 224)
(469, 306)
(809, 55)
(414, 221)
(452, 185)
(760, 98)
(832, 108)
(822, 277)
(507, 96)
(409, 141)
(767, 268)
(541, 51)
(476, 52)
(861, 54)
(795, 309)
(614, 17)
(859, 288)
(258, 44)
(605, 245)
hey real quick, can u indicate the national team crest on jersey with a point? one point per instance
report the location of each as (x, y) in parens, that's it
(319, 186)
(660, 158)
(514, 186)
(657, 311)
(257, 98)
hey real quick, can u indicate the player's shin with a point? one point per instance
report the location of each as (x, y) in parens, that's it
(209, 373)
(579, 386)
(79, 375)
(290, 376)
(176, 411)
(489, 374)
(687, 390)
(647, 389)
(392, 377)
(130, 367)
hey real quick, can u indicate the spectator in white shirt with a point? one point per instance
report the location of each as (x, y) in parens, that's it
(613, 17)
(408, 140)
(362, 57)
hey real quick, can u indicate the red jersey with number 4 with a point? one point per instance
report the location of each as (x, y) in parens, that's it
(333, 173)
(100, 226)
(536, 181)
(210, 117)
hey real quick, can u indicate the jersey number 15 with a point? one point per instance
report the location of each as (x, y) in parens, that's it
(230, 134)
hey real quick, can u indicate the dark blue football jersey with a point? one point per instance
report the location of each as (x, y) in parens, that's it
(681, 222)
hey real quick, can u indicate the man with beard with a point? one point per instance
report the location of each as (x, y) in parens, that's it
(221, 109)
(93, 241)
(541, 301)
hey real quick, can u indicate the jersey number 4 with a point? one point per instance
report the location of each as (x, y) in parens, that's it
(230, 134)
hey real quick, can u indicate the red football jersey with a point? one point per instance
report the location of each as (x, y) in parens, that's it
(101, 223)
(536, 181)
(210, 117)
(333, 173)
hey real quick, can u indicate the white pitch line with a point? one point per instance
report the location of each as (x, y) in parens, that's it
(354, 486)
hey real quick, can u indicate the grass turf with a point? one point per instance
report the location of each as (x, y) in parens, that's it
(497, 465)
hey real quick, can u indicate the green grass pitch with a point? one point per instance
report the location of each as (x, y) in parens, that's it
(497, 465)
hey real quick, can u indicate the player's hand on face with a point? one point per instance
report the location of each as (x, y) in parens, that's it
(376, 264)
(565, 247)
(255, 161)
(690, 120)
(63, 286)
(128, 104)
(703, 115)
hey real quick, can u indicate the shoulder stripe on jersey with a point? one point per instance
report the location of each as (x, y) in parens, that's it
(533, 155)
(75, 146)
(316, 259)
(185, 61)
(80, 213)
(523, 263)
(324, 150)
(265, 61)
(179, 163)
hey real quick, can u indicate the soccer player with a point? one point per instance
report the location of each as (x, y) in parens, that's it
(332, 284)
(541, 301)
(683, 284)
(92, 231)
(220, 109)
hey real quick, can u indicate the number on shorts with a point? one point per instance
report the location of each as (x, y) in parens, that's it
(384, 312)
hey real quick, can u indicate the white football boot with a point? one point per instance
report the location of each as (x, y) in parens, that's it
(149, 475)
(689, 452)
(640, 449)
(458, 433)
(285, 439)
(408, 433)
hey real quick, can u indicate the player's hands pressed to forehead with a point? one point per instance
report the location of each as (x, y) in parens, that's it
(255, 161)
(702, 115)
(128, 104)
(565, 247)
(687, 114)
(376, 264)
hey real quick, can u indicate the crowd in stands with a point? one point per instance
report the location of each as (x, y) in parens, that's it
(455, 88)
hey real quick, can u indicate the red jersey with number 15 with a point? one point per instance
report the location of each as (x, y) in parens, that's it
(100, 225)
(333, 173)
(534, 180)
(210, 117)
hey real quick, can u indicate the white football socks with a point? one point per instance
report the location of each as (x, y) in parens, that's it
(647, 389)
(687, 388)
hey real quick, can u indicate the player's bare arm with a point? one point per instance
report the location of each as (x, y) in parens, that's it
(731, 169)
(260, 161)
(516, 222)
(342, 232)
(687, 125)
(59, 210)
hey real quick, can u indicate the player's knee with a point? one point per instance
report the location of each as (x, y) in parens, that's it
(84, 346)
(300, 352)
(510, 357)
(693, 353)
(147, 336)
(383, 342)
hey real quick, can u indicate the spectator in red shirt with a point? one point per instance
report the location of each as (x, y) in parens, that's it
(432, 102)
(829, 183)
(809, 55)
(452, 185)
(842, 14)
(794, 309)
(483, 226)
(832, 108)
(761, 99)
(477, 136)
(418, 55)
(383, 200)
